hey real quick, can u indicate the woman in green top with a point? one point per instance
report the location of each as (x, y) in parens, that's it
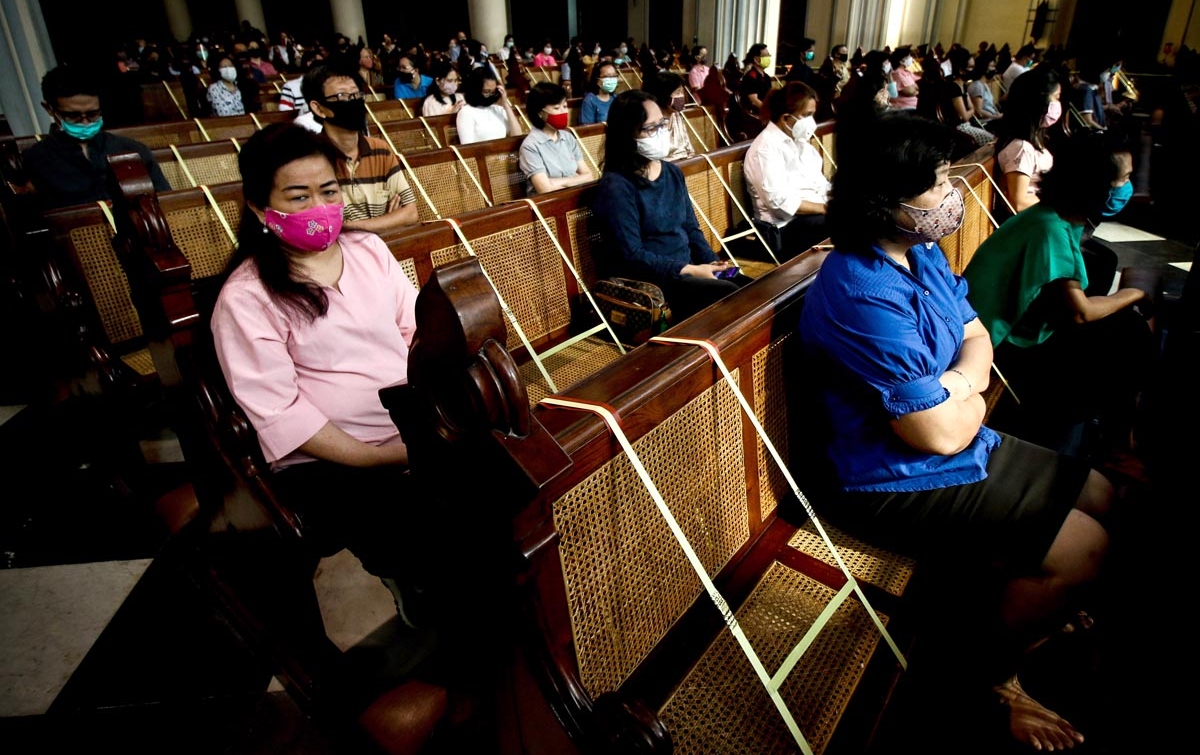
(1070, 358)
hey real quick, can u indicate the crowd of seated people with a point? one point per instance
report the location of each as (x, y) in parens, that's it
(289, 323)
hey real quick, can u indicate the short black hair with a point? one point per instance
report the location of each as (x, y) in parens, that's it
(312, 86)
(898, 161)
(542, 94)
(755, 50)
(1085, 165)
(1026, 51)
(784, 100)
(662, 85)
(472, 86)
(68, 81)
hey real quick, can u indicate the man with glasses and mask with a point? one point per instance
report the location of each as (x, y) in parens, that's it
(376, 195)
(70, 166)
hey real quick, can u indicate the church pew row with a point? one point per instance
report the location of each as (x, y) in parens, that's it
(625, 642)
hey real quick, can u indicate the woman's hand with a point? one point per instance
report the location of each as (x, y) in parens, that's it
(709, 270)
(458, 105)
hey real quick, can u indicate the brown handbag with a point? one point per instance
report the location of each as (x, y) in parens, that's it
(636, 310)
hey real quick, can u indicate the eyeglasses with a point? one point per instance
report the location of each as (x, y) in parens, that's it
(76, 117)
(654, 128)
(343, 96)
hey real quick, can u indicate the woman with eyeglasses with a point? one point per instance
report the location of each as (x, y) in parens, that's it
(645, 214)
(594, 108)
(443, 97)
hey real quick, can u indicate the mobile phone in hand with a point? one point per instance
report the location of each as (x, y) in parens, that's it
(727, 273)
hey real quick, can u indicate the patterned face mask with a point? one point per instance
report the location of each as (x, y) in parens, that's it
(934, 224)
(311, 230)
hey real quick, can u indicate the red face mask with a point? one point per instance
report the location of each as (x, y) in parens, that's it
(558, 120)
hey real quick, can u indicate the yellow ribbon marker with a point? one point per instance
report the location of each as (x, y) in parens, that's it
(112, 222)
(212, 203)
(175, 100)
(586, 152)
(470, 174)
(203, 132)
(412, 176)
(236, 145)
(512, 316)
(988, 175)
(183, 166)
(749, 223)
(257, 124)
(730, 619)
(431, 131)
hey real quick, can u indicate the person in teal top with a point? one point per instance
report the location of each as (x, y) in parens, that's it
(1073, 360)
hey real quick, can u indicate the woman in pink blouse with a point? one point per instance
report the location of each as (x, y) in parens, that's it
(310, 323)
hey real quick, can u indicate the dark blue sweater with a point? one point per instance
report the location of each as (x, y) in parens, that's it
(649, 227)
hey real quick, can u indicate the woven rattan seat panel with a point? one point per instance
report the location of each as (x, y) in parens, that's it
(721, 707)
(389, 114)
(508, 183)
(450, 188)
(568, 366)
(960, 246)
(439, 257)
(201, 237)
(524, 264)
(106, 281)
(827, 167)
(770, 404)
(594, 146)
(737, 182)
(409, 266)
(705, 188)
(140, 362)
(218, 132)
(583, 241)
(159, 141)
(173, 172)
(215, 169)
(627, 581)
(875, 566)
(700, 134)
(411, 140)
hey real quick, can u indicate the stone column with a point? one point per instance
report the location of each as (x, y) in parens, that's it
(25, 56)
(252, 11)
(348, 19)
(179, 19)
(489, 22)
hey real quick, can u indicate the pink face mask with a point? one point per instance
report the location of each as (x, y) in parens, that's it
(311, 230)
(1053, 113)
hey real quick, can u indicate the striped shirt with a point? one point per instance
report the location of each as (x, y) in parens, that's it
(370, 182)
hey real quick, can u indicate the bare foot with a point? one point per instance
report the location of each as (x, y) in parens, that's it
(1034, 724)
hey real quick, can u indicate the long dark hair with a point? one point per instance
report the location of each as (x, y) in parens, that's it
(898, 161)
(625, 118)
(440, 70)
(1028, 100)
(260, 159)
(594, 82)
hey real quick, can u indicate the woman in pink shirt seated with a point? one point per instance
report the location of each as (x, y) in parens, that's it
(310, 323)
(905, 80)
(546, 56)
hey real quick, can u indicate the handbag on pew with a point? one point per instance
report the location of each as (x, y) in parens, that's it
(636, 310)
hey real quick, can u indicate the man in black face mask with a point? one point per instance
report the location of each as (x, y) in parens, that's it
(377, 198)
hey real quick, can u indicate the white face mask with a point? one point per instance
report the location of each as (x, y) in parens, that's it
(803, 129)
(655, 147)
(547, 50)
(906, 61)
(229, 73)
(887, 66)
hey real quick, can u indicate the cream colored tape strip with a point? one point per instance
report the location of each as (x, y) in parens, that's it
(808, 509)
(471, 175)
(257, 123)
(212, 202)
(737, 203)
(978, 201)
(718, 600)
(512, 316)
(1007, 386)
(586, 152)
(811, 635)
(524, 118)
(566, 258)
(236, 145)
(183, 166)
(430, 130)
(175, 100)
(203, 131)
(688, 122)
(112, 222)
(412, 176)
(988, 175)
(711, 227)
(817, 140)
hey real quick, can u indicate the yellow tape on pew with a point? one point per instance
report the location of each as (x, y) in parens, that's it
(212, 202)
(183, 166)
(735, 629)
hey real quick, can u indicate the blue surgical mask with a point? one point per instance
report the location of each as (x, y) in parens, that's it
(1118, 197)
(809, 55)
(82, 131)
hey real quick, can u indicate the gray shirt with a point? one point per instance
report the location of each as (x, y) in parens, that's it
(557, 158)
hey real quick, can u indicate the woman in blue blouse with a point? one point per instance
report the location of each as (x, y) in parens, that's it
(645, 216)
(594, 108)
(902, 358)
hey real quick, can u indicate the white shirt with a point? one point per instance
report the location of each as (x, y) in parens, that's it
(1011, 73)
(479, 124)
(780, 175)
(290, 97)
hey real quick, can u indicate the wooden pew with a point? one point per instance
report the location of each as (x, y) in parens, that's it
(619, 633)
(199, 164)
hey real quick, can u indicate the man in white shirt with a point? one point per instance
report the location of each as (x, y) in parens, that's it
(784, 173)
(292, 98)
(1021, 63)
